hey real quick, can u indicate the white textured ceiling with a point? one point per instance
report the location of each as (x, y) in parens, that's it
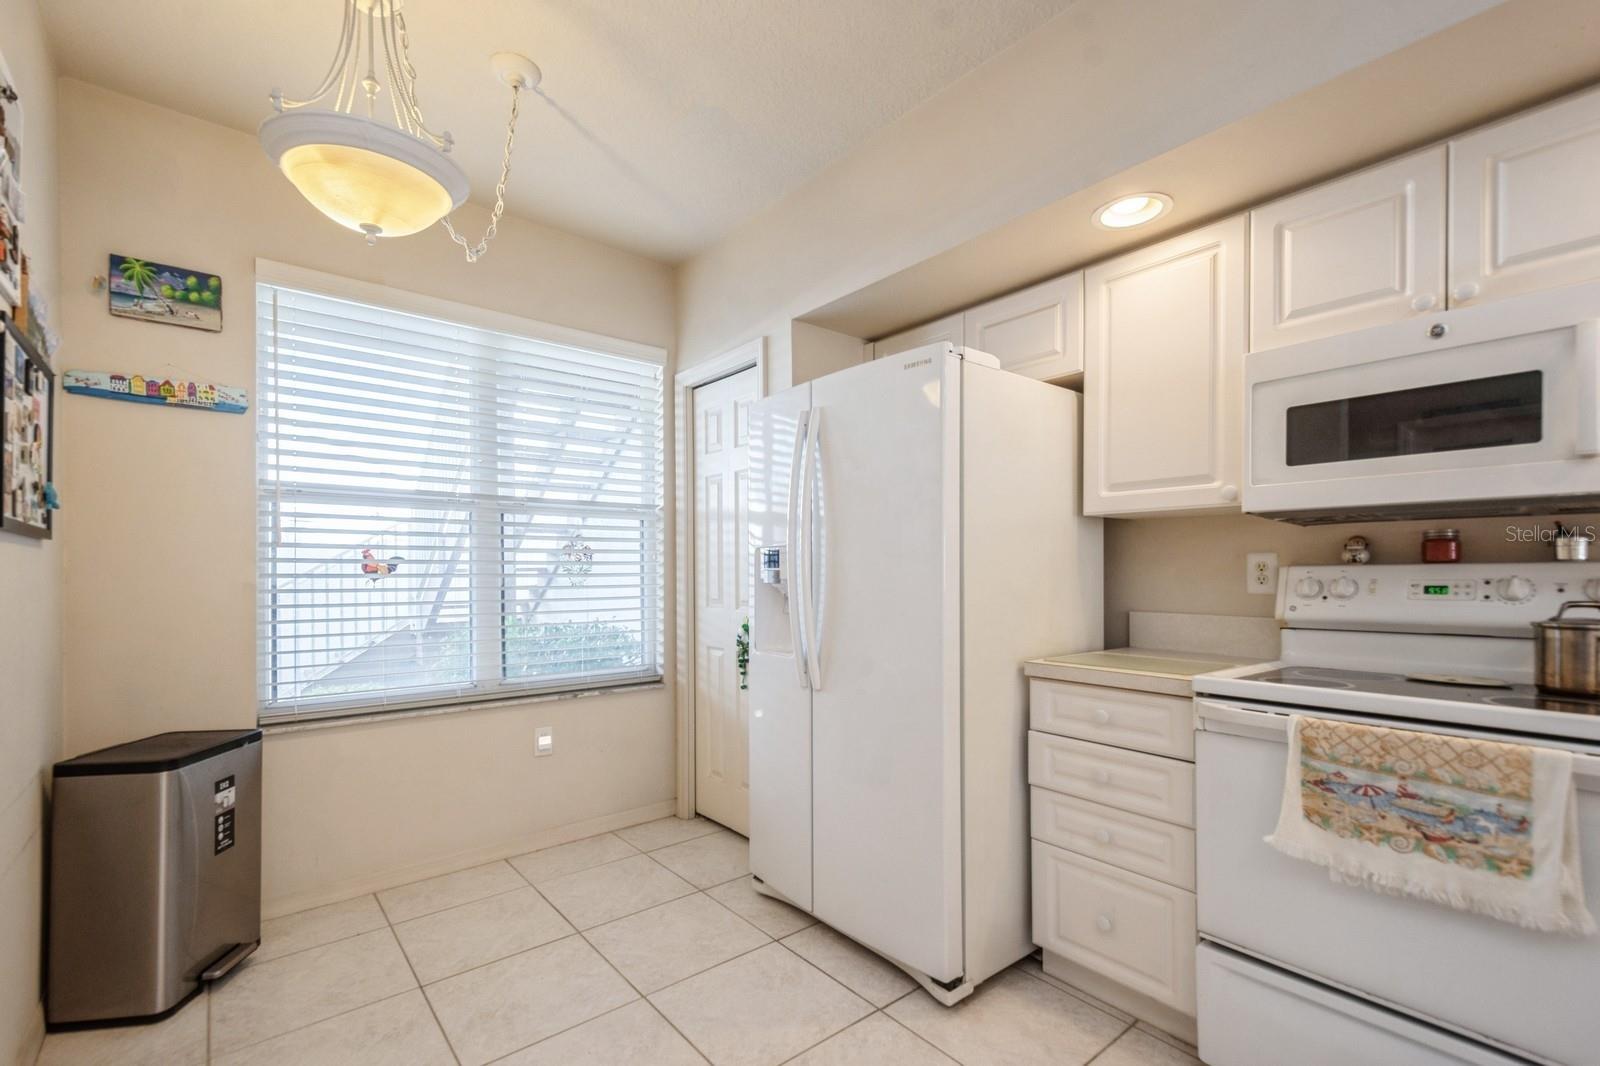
(663, 124)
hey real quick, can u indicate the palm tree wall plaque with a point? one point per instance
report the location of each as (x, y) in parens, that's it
(141, 275)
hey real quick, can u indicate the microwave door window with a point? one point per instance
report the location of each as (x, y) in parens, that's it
(1489, 412)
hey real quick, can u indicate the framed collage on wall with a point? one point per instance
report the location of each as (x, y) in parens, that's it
(10, 191)
(27, 419)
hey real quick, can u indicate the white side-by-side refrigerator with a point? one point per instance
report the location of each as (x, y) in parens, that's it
(919, 532)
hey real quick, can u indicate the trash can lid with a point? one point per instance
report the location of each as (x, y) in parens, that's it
(158, 754)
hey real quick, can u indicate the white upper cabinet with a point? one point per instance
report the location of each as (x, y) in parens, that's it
(947, 328)
(1364, 250)
(1163, 375)
(1525, 202)
(1037, 332)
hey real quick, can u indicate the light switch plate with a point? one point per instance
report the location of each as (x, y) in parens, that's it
(544, 741)
(1261, 573)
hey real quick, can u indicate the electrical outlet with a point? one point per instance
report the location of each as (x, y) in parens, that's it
(1261, 573)
(544, 741)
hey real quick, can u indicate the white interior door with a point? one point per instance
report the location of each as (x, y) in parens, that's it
(723, 572)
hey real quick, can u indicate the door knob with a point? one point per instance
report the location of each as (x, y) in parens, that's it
(1424, 302)
(1102, 836)
(1102, 922)
(1465, 291)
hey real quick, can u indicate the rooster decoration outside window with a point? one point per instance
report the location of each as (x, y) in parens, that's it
(377, 569)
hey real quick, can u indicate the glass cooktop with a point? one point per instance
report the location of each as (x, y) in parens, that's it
(1425, 686)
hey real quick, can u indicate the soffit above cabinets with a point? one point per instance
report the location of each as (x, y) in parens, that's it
(1509, 58)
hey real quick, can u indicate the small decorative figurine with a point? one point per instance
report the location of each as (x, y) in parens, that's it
(1357, 551)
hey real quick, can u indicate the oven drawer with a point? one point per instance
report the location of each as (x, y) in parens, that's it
(1161, 725)
(1128, 780)
(1138, 932)
(1252, 1014)
(1132, 841)
(1515, 987)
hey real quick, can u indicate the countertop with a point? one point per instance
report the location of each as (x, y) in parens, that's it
(1141, 669)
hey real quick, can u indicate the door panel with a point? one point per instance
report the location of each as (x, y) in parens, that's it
(885, 704)
(1360, 251)
(780, 702)
(1037, 332)
(723, 569)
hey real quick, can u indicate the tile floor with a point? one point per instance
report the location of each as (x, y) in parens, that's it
(646, 947)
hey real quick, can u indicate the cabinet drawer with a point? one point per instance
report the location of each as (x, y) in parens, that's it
(1129, 841)
(1138, 932)
(1128, 780)
(1161, 725)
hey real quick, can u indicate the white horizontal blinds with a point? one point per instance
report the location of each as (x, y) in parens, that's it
(449, 512)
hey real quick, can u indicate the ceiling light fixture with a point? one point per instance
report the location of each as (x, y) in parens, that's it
(367, 175)
(1133, 210)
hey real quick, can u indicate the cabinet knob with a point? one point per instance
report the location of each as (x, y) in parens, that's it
(1101, 715)
(1424, 302)
(1229, 493)
(1102, 777)
(1102, 836)
(1102, 922)
(1465, 291)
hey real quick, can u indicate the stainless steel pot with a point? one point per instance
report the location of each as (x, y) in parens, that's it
(1567, 651)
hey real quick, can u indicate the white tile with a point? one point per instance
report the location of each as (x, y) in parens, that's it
(276, 997)
(874, 1041)
(664, 944)
(176, 1041)
(604, 893)
(1011, 1019)
(771, 916)
(1167, 1038)
(562, 859)
(867, 975)
(649, 836)
(318, 926)
(437, 893)
(1139, 1048)
(759, 1009)
(709, 860)
(635, 1035)
(507, 1005)
(447, 942)
(399, 1031)
(1033, 967)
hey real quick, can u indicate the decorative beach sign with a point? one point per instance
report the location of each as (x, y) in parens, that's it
(156, 292)
(157, 389)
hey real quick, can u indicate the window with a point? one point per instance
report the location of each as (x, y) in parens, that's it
(449, 511)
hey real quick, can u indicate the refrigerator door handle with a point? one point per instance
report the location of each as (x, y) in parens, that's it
(797, 572)
(814, 565)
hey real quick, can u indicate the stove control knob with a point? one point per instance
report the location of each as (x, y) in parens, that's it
(1342, 588)
(1308, 588)
(1515, 589)
(1591, 588)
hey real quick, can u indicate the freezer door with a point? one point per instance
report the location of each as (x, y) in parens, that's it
(885, 502)
(780, 701)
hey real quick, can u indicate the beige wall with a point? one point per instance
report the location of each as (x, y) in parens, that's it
(30, 592)
(159, 526)
(1108, 84)
(1196, 565)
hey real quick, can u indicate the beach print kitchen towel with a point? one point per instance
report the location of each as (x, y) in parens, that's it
(1476, 825)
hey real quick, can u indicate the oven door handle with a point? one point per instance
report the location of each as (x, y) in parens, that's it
(1586, 341)
(1273, 726)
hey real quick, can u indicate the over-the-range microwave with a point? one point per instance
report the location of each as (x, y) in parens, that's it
(1487, 410)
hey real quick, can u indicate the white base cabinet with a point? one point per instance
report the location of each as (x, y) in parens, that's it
(1164, 345)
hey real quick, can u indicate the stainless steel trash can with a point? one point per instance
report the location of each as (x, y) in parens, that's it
(155, 873)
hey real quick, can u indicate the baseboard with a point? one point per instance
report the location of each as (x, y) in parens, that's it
(1141, 1006)
(545, 838)
(32, 1038)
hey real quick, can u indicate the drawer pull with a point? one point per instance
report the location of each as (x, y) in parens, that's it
(1102, 836)
(1102, 922)
(1101, 715)
(1102, 777)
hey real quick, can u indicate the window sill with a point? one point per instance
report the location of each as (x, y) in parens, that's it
(364, 717)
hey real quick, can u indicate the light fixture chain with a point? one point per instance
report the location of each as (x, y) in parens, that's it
(475, 252)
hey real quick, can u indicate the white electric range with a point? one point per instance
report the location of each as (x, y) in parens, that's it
(1294, 968)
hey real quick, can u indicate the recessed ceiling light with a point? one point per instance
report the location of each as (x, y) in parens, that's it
(1133, 210)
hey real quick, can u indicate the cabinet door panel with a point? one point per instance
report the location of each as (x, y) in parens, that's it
(1363, 250)
(1163, 372)
(1037, 332)
(947, 328)
(1523, 209)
